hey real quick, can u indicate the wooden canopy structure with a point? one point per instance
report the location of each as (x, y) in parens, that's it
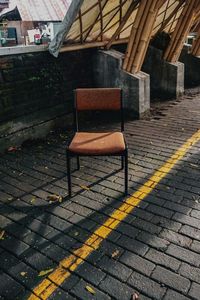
(102, 23)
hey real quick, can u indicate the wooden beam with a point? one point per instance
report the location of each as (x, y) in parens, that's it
(141, 34)
(81, 26)
(105, 28)
(75, 47)
(173, 13)
(133, 34)
(101, 19)
(70, 16)
(196, 45)
(123, 22)
(181, 31)
(95, 21)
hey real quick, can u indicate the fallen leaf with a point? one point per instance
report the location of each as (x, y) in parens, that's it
(84, 187)
(115, 253)
(90, 289)
(135, 296)
(76, 233)
(33, 199)
(12, 149)
(2, 233)
(55, 198)
(45, 272)
(194, 165)
(10, 199)
(23, 273)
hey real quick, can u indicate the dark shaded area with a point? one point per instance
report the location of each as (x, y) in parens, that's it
(32, 83)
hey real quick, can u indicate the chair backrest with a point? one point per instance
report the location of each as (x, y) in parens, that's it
(110, 99)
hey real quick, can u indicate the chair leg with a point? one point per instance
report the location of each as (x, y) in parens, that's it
(78, 162)
(69, 173)
(126, 172)
(122, 162)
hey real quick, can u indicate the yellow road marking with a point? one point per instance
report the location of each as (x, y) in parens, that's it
(71, 263)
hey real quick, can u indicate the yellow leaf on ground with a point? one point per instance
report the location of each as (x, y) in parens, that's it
(23, 273)
(2, 233)
(115, 253)
(84, 187)
(90, 289)
(55, 198)
(45, 272)
(33, 199)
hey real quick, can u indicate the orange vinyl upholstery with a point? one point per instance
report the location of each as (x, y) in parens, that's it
(96, 143)
(98, 99)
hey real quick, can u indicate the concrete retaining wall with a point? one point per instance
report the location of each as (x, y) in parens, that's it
(192, 67)
(166, 79)
(136, 90)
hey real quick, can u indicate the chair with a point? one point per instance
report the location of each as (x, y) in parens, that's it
(97, 143)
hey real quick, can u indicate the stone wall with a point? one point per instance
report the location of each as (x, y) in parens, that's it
(37, 89)
(136, 91)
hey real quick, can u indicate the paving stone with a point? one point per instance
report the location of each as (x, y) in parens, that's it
(10, 289)
(190, 272)
(24, 274)
(187, 220)
(177, 207)
(39, 227)
(195, 291)
(153, 241)
(60, 212)
(61, 239)
(195, 213)
(171, 279)
(109, 248)
(116, 288)
(14, 245)
(114, 268)
(176, 238)
(166, 223)
(184, 254)
(174, 295)
(129, 230)
(162, 259)
(137, 263)
(147, 286)
(70, 282)
(195, 246)
(160, 211)
(59, 294)
(191, 232)
(133, 245)
(142, 224)
(80, 290)
(37, 260)
(90, 273)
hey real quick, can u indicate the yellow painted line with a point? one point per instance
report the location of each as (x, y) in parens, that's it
(46, 288)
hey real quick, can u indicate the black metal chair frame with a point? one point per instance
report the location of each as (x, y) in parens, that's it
(70, 154)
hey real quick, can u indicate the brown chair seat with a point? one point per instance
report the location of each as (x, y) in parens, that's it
(97, 143)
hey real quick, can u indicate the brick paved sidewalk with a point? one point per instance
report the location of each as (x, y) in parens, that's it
(154, 251)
